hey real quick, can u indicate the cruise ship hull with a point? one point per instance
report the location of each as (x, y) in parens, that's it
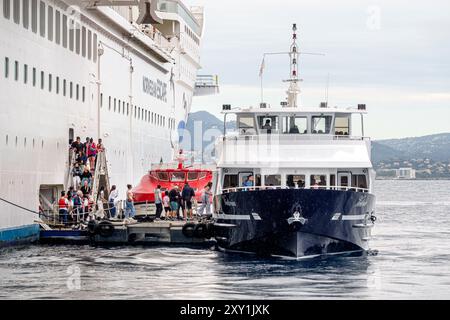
(19, 235)
(294, 223)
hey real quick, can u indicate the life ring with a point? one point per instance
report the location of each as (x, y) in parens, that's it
(188, 230)
(105, 229)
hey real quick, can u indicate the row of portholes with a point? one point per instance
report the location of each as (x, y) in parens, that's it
(24, 142)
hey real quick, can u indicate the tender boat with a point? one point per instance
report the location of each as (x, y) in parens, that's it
(294, 181)
(170, 175)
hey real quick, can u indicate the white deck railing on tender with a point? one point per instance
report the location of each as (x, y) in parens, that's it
(260, 188)
(290, 137)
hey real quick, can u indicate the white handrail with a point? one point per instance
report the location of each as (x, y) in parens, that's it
(260, 188)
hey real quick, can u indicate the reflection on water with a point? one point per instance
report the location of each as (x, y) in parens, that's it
(411, 236)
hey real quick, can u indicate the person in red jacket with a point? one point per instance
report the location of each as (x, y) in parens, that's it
(63, 205)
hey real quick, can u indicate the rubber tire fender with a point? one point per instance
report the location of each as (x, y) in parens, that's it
(188, 230)
(105, 229)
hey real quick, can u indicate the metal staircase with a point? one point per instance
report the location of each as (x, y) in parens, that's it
(101, 177)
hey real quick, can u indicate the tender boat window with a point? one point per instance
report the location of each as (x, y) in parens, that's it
(295, 181)
(192, 176)
(341, 126)
(230, 181)
(359, 181)
(177, 176)
(163, 176)
(295, 125)
(202, 175)
(272, 180)
(321, 124)
(268, 124)
(318, 181)
(246, 125)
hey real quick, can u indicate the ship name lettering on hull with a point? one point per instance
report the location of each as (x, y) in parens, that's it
(157, 89)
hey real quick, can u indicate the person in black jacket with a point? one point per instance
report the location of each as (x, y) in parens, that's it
(187, 194)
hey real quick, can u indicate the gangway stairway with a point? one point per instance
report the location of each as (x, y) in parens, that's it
(100, 177)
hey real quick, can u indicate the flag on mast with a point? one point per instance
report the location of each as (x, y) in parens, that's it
(263, 65)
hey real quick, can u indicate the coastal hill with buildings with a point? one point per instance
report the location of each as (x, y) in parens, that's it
(426, 157)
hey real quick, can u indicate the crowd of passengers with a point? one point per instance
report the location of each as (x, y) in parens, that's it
(75, 204)
(176, 201)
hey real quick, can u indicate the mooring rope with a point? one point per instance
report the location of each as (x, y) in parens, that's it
(19, 206)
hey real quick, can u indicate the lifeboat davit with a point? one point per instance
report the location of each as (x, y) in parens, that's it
(170, 175)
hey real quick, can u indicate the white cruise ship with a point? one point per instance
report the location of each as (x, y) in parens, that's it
(123, 71)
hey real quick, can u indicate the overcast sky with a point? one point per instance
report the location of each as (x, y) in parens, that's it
(392, 55)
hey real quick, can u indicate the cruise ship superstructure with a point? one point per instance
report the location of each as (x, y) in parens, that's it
(123, 71)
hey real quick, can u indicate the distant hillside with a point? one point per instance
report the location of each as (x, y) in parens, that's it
(435, 147)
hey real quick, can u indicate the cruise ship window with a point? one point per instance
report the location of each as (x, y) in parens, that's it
(34, 16)
(34, 77)
(83, 42)
(71, 90)
(16, 70)
(42, 19)
(118, 107)
(6, 67)
(139, 113)
(295, 181)
(24, 142)
(123, 107)
(101, 100)
(50, 23)
(317, 181)
(17, 140)
(64, 87)
(109, 106)
(321, 124)
(16, 11)
(7, 138)
(34, 142)
(293, 125)
(6, 8)
(25, 73)
(114, 104)
(77, 92)
(50, 83)
(25, 13)
(64, 31)
(57, 85)
(89, 44)
(95, 47)
(57, 27)
(83, 93)
(42, 80)
(77, 38)
(71, 35)
(135, 108)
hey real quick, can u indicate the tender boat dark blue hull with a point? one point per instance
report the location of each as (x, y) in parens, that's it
(294, 223)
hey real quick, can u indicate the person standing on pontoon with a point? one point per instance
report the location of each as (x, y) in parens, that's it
(130, 211)
(112, 201)
(206, 202)
(158, 201)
